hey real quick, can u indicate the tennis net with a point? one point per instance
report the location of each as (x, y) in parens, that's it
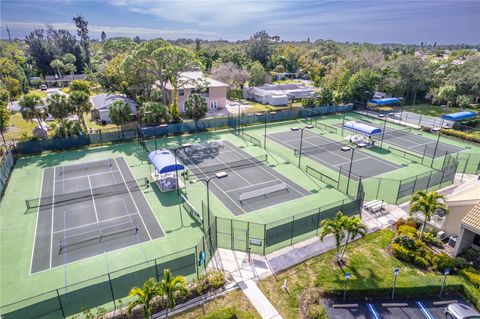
(97, 235)
(325, 127)
(83, 166)
(87, 194)
(247, 162)
(320, 148)
(396, 133)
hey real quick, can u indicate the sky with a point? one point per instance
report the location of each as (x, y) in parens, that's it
(381, 21)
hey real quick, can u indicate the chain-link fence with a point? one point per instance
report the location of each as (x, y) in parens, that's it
(109, 289)
(7, 161)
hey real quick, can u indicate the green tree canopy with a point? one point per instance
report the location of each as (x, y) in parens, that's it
(4, 121)
(80, 85)
(362, 85)
(80, 103)
(119, 112)
(59, 106)
(257, 74)
(154, 113)
(69, 128)
(30, 110)
(259, 47)
(196, 106)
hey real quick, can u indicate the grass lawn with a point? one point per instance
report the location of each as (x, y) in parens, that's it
(431, 110)
(234, 303)
(87, 117)
(19, 128)
(369, 263)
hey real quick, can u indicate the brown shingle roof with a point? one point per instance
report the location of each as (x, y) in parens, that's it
(472, 219)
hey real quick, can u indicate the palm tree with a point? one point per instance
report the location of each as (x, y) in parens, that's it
(427, 204)
(29, 108)
(58, 66)
(196, 106)
(119, 112)
(354, 227)
(59, 106)
(80, 102)
(169, 286)
(144, 296)
(69, 128)
(69, 65)
(334, 227)
(154, 113)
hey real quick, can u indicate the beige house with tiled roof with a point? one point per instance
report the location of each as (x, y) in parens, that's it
(469, 235)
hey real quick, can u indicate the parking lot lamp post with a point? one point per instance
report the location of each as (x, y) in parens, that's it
(175, 152)
(395, 274)
(347, 277)
(301, 140)
(445, 274)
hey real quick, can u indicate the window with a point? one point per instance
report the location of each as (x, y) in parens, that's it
(181, 92)
(213, 104)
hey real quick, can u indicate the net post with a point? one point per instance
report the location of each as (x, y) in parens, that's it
(60, 303)
(111, 290)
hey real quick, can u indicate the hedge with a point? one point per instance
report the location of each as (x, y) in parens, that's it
(472, 137)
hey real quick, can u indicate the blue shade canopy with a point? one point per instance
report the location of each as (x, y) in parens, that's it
(385, 101)
(362, 128)
(460, 116)
(164, 161)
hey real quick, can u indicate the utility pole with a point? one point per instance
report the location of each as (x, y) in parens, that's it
(8, 31)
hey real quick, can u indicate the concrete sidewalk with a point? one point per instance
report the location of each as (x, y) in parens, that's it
(258, 300)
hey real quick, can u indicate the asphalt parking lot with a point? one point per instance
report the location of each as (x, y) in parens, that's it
(425, 308)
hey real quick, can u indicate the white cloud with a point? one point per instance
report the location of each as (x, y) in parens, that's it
(206, 12)
(116, 30)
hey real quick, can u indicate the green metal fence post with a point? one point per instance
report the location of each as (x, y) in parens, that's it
(293, 225)
(398, 191)
(247, 236)
(264, 238)
(318, 221)
(195, 260)
(111, 290)
(156, 269)
(60, 302)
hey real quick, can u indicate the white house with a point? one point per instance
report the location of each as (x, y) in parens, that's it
(278, 94)
(102, 102)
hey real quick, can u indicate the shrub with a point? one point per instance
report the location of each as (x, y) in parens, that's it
(402, 253)
(421, 262)
(216, 279)
(472, 275)
(403, 221)
(407, 230)
(443, 261)
(472, 137)
(461, 263)
(471, 254)
(431, 239)
(432, 230)
(405, 241)
(316, 311)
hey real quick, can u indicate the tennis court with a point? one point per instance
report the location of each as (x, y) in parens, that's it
(408, 140)
(328, 153)
(250, 185)
(88, 209)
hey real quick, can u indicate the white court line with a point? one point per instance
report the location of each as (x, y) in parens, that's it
(36, 223)
(233, 171)
(266, 171)
(231, 199)
(249, 186)
(83, 176)
(95, 223)
(134, 203)
(53, 209)
(93, 200)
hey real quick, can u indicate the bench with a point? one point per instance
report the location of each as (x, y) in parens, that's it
(374, 206)
(262, 192)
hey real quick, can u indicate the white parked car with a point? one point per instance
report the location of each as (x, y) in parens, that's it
(461, 311)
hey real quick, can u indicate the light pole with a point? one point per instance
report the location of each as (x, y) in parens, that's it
(395, 274)
(218, 175)
(175, 151)
(266, 114)
(347, 277)
(301, 140)
(447, 271)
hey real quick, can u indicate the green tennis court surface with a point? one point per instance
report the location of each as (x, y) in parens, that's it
(89, 209)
